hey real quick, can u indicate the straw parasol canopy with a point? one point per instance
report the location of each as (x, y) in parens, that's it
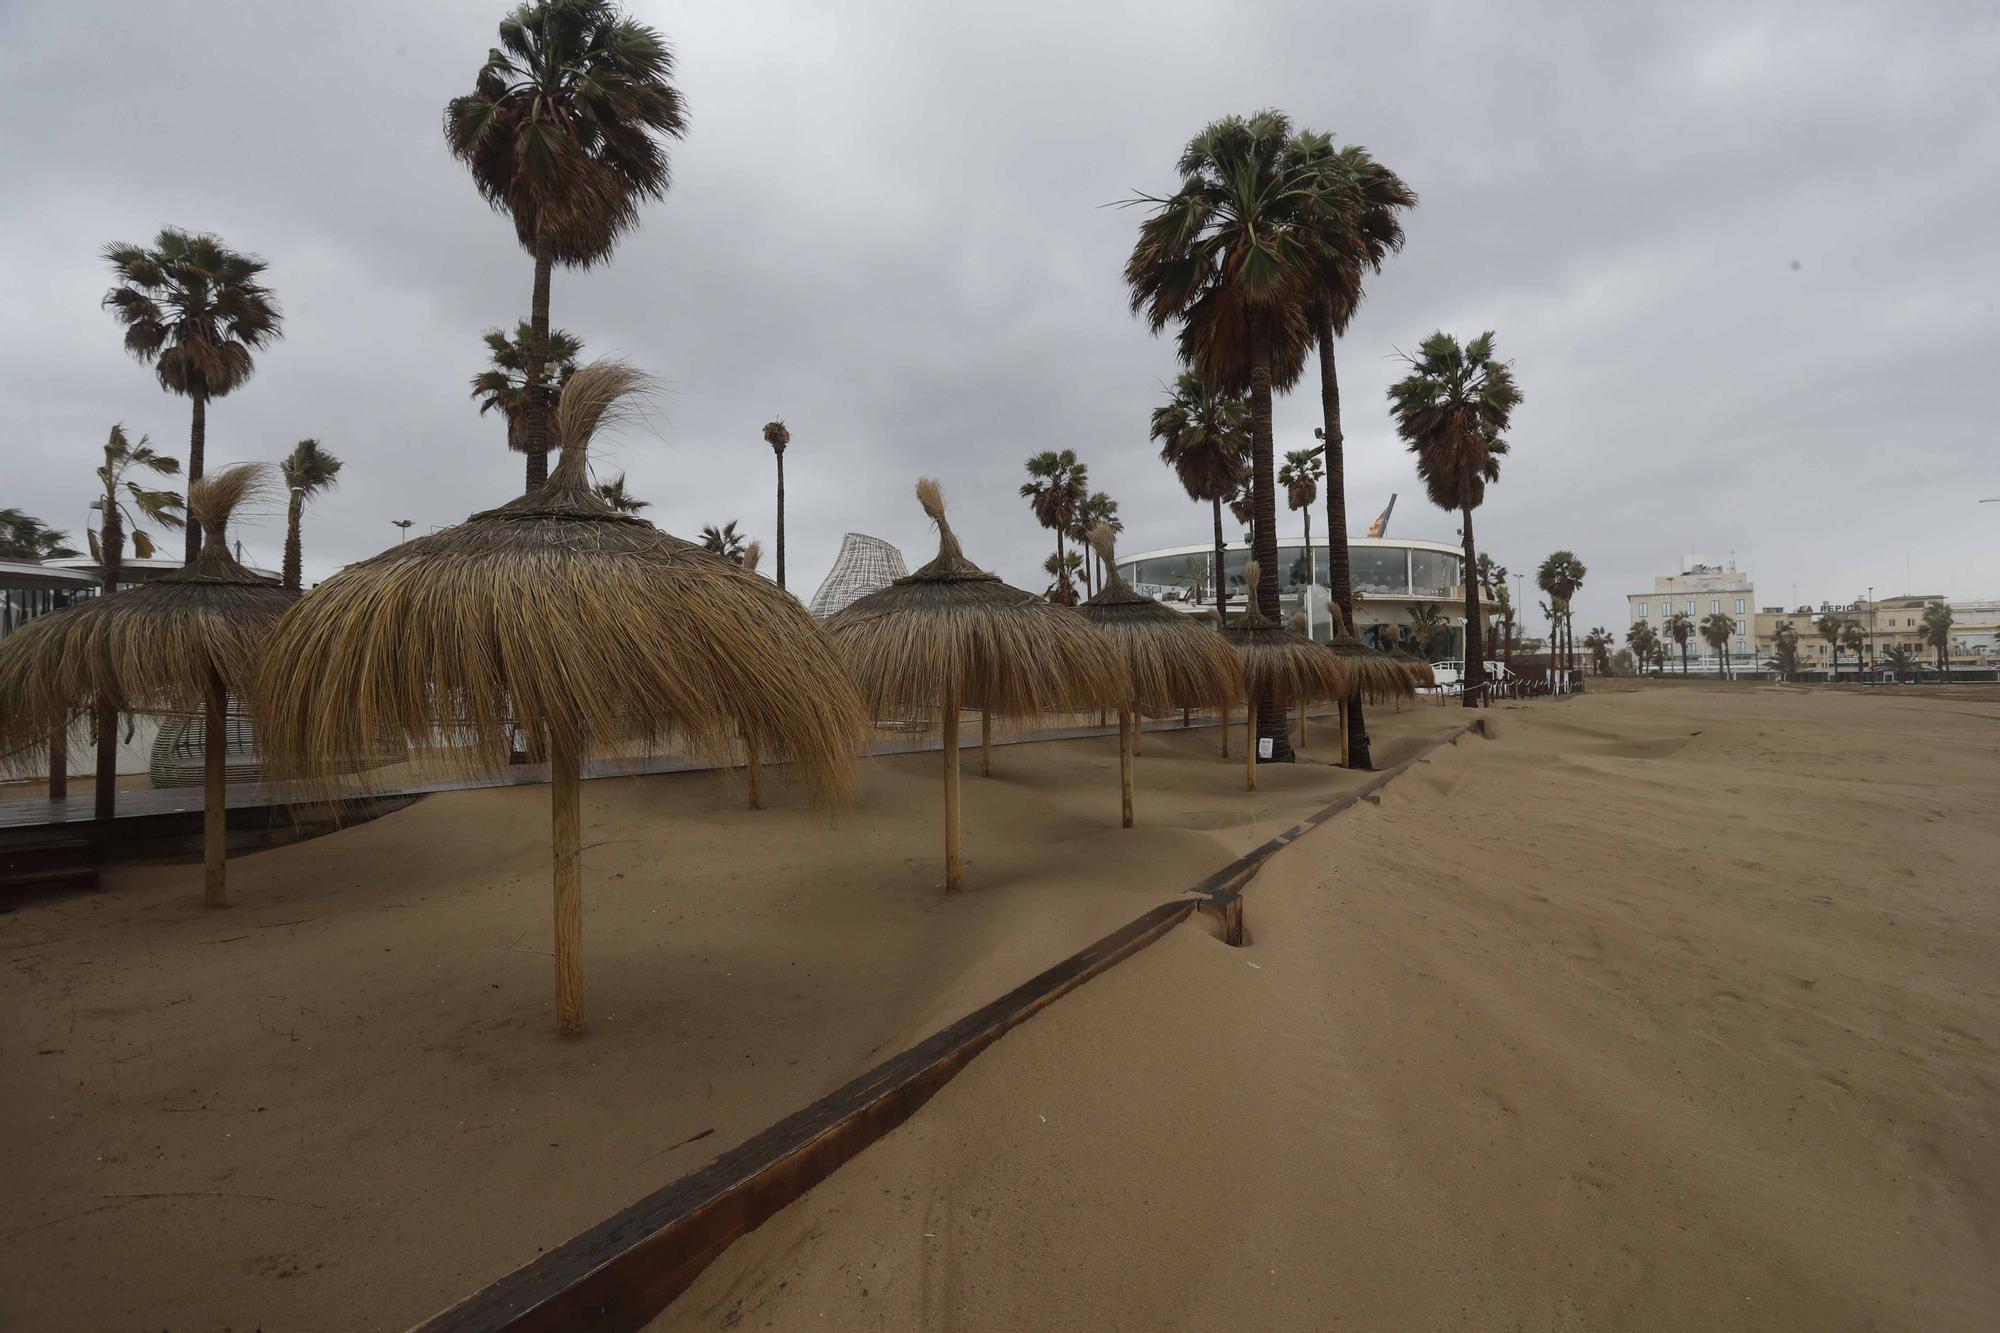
(1279, 664)
(1174, 661)
(585, 630)
(1419, 671)
(953, 636)
(1371, 673)
(179, 644)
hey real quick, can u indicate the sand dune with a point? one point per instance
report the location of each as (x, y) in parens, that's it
(1673, 1008)
(342, 1103)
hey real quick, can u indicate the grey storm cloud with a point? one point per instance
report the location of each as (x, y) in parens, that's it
(1740, 255)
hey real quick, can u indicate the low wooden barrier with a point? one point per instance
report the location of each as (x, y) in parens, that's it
(624, 1271)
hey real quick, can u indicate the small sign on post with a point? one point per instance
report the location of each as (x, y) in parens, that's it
(1265, 745)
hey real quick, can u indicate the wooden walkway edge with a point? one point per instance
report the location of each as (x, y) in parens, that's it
(624, 1271)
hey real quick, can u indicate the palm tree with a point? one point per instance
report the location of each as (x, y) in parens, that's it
(1427, 628)
(1854, 641)
(1355, 226)
(622, 501)
(1098, 510)
(1901, 661)
(1934, 632)
(1453, 410)
(25, 537)
(1300, 476)
(1828, 627)
(194, 310)
(778, 437)
(1493, 584)
(1680, 628)
(724, 541)
(1062, 571)
(1058, 487)
(1715, 631)
(564, 130)
(1560, 576)
(124, 502)
(1599, 642)
(1784, 657)
(504, 387)
(308, 470)
(1658, 656)
(1204, 436)
(1228, 256)
(1243, 508)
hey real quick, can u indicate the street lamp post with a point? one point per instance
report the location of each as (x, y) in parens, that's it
(405, 524)
(1871, 633)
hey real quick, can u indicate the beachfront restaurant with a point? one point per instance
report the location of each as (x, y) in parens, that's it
(1393, 576)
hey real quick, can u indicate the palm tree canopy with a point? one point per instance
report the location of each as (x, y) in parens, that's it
(1354, 225)
(1300, 476)
(1204, 436)
(1059, 485)
(503, 386)
(193, 309)
(622, 501)
(25, 537)
(1934, 630)
(1717, 628)
(776, 435)
(1098, 510)
(1453, 410)
(132, 503)
(1235, 241)
(565, 127)
(724, 541)
(309, 469)
(1561, 575)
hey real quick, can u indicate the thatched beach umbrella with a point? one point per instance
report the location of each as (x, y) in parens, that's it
(1174, 661)
(180, 644)
(587, 630)
(953, 636)
(1371, 673)
(1278, 664)
(1419, 671)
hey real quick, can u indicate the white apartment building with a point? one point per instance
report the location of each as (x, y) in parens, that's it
(1698, 591)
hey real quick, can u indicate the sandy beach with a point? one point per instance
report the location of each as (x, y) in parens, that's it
(1670, 1007)
(342, 1103)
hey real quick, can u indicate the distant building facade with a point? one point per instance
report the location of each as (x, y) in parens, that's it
(1886, 623)
(1392, 577)
(1698, 591)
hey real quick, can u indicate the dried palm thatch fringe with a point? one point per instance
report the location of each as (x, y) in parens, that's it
(1279, 663)
(1371, 673)
(1175, 661)
(952, 630)
(1419, 671)
(149, 649)
(554, 615)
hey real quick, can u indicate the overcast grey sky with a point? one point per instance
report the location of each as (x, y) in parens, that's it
(1742, 257)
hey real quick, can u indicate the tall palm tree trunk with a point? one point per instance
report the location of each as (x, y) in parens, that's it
(111, 540)
(292, 553)
(1339, 567)
(781, 517)
(1219, 583)
(537, 404)
(1473, 690)
(197, 447)
(1270, 718)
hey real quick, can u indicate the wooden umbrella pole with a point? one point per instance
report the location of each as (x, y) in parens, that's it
(59, 763)
(565, 829)
(1250, 743)
(214, 796)
(1344, 742)
(1127, 724)
(985, 744)
(953, 863)
(750, 767)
